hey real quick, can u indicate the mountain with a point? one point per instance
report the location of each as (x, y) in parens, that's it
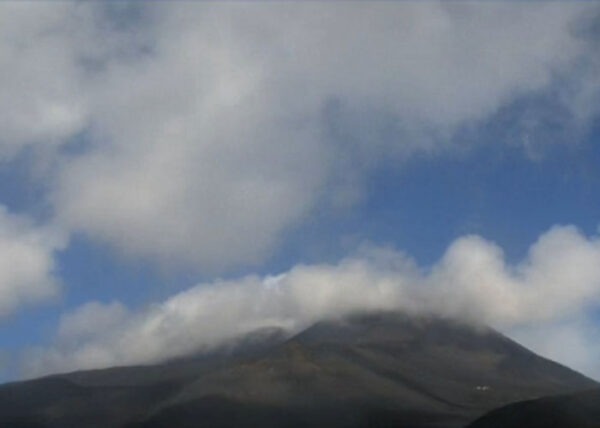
(367, 370)
(578, 410)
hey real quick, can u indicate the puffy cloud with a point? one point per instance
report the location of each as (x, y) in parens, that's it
(558, 283)
(27, 262)
(560, 277)
(212, 129)
(207, 315)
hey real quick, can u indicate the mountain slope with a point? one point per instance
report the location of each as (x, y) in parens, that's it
(388, 369)
(579, 410)
(366, 370)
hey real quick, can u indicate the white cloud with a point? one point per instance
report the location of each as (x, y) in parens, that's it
(559, 278)
(27, 263)
(209, 125)
(558, 283)
(206, 315)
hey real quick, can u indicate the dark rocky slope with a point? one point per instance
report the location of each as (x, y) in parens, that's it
(366, 371)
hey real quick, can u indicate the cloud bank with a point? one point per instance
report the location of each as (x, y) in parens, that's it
(200, 134)
(541, 300)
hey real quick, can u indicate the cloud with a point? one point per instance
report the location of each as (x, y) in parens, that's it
(557, 284)
(40, 99)
(27, 264)
(207, 315)
(50, 56)
(200, 134)
(560, 277)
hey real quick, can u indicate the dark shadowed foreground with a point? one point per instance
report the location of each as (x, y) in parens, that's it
(579, 410)
(384, 370)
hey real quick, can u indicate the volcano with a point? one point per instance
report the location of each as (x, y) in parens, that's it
(365, 370)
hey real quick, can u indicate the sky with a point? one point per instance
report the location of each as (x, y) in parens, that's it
(176, 174)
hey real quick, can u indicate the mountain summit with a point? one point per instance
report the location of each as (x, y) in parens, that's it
(366, 370)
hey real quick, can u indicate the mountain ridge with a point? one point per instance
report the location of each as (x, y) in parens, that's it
(368, 369)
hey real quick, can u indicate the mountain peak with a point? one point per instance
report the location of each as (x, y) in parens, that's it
(369, 369)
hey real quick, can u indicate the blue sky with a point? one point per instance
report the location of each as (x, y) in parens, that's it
(174, 175)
